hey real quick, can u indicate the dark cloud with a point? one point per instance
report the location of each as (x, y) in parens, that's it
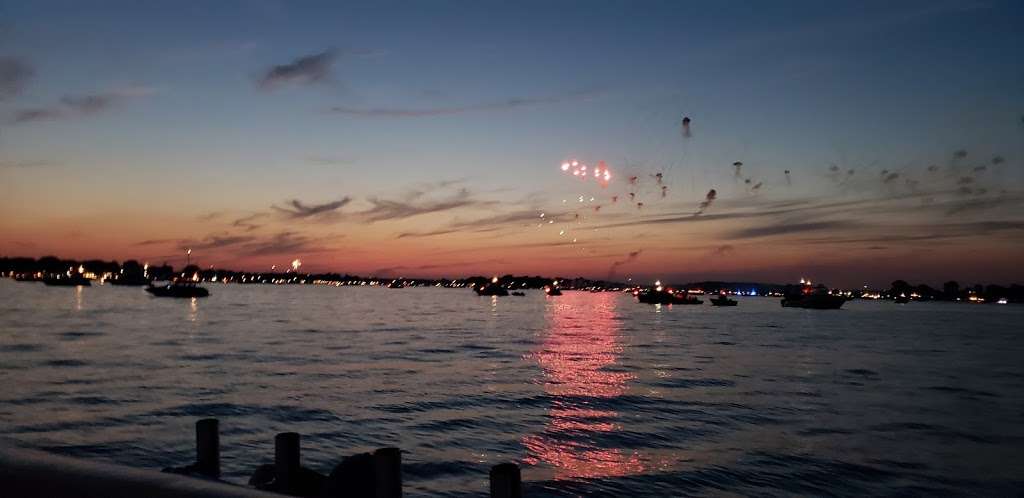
(247, 222)
(297, 210)
(998, 160)
(791, 228)
(385, 209)
(490, 223)
(71, 106)
(152, 242)
(212, 215)
(889, 177)
(330, 160)
(215, 242)
(979, 205)
(979, 169)
(924, 233)
(305, 70)
(507, 104)
(960, 154)
(283, 243)
(442, 231)
(14, 75)
(25, 164)
(434, 266)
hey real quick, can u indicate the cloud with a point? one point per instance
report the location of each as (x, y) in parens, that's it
(384, 209)
(153, 242)
(283, 243)
(14, 76)
(489, 223)
(790, 228)
(212, 215)
(246, 222)
(26, 164)
(442, 231)
(215, 242)
(79, 105)
(925, 233)
(501, 105)
(434, 266)
(329, 160)
(304, 70)
(297, 210)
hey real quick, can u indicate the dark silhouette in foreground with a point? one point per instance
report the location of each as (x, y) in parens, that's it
(178, 289)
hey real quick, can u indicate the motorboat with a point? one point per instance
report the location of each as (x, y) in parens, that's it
(178, 289)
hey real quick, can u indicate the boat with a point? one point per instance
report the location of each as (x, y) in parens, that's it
(395, 284)
(901, 299)
(723, 300)
(816, 298)
(553, 290)
(666, 297)
(491, 289)
(661, 295)
(67, 280)
(178, 289)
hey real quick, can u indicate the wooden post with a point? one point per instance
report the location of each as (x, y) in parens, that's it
(286, 462)
(208, 447)
(506, 481)
(387, 463)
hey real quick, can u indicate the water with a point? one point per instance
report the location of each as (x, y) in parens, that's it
(594, 394)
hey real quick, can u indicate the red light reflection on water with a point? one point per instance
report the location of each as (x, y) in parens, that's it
(582, 343)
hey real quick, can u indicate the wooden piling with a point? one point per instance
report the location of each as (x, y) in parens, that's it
(506, 481)
(208, 447)
(387, 463)
(286, 462)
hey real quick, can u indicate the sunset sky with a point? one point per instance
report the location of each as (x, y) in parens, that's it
(425, 139)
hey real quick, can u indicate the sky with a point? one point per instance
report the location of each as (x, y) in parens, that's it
(877, 140)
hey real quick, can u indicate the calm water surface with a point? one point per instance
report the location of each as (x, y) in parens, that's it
(594, 394)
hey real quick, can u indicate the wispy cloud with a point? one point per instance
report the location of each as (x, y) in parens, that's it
(434, 266)
(385, 209)
(212, 215)
(79, 105)
(153, 242)
(215, 242)
(25, 164)
(297, 210)
(305, 70)
(284, 243)
(489, 223)
(791, 228)
(14, 75)
(330, 160)
(248, 222)
(501, 105)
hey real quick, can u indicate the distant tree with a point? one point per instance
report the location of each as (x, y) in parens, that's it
(900, 287)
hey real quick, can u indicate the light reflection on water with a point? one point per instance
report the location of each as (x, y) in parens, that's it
(592, 393)
(580, 349)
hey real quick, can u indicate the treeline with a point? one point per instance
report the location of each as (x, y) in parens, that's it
(31, 268)
(952, 291)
